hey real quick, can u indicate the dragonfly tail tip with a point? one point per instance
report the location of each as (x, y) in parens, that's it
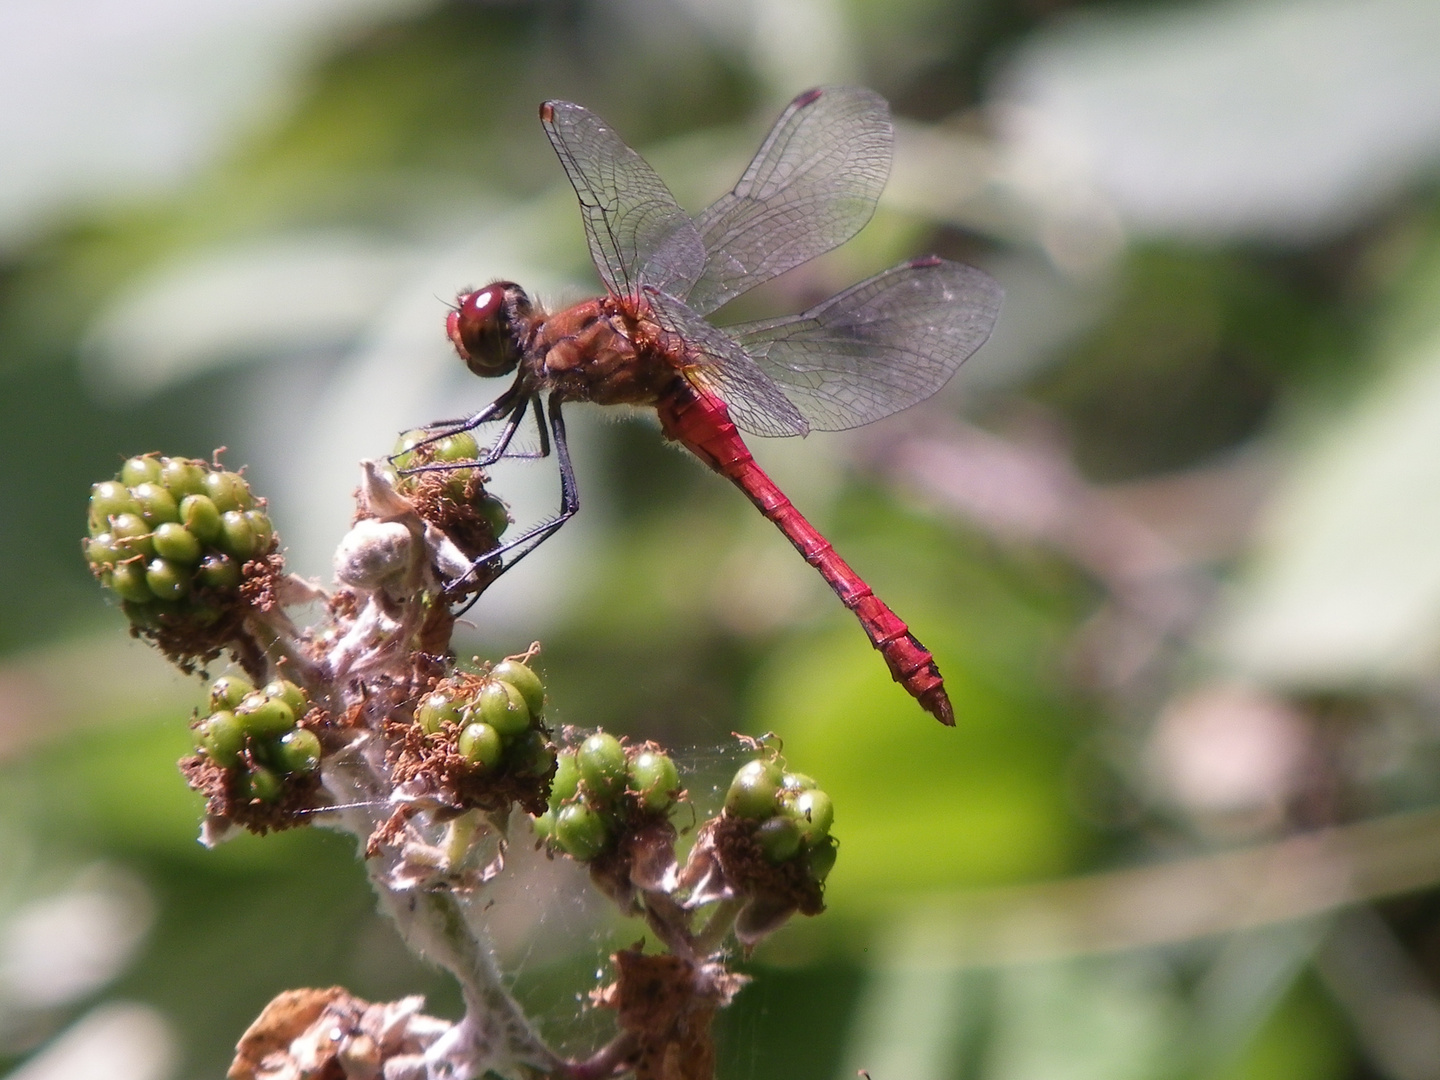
(937, 704)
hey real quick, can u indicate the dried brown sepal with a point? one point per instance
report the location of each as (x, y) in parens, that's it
(452, 505)
(731, 842)
(429, 766)
(190, 642)
(329, 1034)
(435, 632)
(641, 859)
(667, 1005)
(390, 830)
(225, 800)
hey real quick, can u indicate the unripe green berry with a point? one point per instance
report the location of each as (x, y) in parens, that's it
(530, 754)
(797, 781)
(480, 745)
(176, 543)
(128, 582)
(228, 691)
(222, 738)
(228, 491)
(132, 535)
(297, 751)
(495, 513)
(544, 825)
(237, 535)
(566, 782)
(199, 514)
(458, 447)
(182, 477)
(813, 812)
(524, 679)
(263, 784)
(503, 708)
(264, 717)
(108, 499)
(261, 526)
(601, 759)
(407, 441)
(580, 831)
(435, 709)
(779, 838)
(821, 859)
(653, 778)
(102, 550)
(167, 580)
(140, 470)
(157, 505)
(219, 572)
(754, 793)
(289, 693)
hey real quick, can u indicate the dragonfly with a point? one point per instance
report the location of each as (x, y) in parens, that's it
(870, 351)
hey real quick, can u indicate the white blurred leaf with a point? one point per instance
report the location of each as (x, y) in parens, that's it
(1345, 587)
(104, 97)
(1284, 118)
(294, 293)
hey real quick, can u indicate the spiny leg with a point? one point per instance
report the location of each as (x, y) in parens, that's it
(523, 545)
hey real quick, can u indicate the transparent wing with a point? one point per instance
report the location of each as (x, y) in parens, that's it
(638, 234)
(879, 346)
(717, 363)
(812, 185)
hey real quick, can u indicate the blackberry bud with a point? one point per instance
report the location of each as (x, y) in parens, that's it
(436, 709)
(199, 514)
(480, 745)
(580, 831)
(228, 491)
(779, 838)
(167, 580)
(228, 691)
(297, 751)
(503, 708)
(601, 760)
(754, 793)
(157, 505)
(222, 738)
(176, 543)
(524, 679)
(182, 477)
(653, 778)
(140, 470)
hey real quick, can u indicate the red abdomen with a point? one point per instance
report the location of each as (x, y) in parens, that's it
(702, 423)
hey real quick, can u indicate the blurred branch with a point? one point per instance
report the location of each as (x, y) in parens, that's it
(1299, 877)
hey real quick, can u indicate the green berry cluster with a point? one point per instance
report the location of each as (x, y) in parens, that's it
(495, 719)
(600, 788)
(254, 734)
(458, 484)
(171, 536)
(792, 815)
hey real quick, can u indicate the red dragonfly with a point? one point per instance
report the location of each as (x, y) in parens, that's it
(865, 353)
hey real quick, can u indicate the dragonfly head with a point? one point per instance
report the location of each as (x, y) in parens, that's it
(485, 327)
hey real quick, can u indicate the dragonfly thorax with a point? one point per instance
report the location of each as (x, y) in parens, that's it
(486, 327)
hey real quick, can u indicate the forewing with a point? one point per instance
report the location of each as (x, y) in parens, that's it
(812, 185)
(716, 362)
(638, 233)
(879, 346)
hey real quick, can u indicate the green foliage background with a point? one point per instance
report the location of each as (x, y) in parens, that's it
(1182, 356)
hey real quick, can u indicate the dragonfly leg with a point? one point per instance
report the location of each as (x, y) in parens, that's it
(492, 454)
(523, 545)
(510, 405)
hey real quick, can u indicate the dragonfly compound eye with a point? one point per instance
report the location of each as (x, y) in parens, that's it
(482, 328)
